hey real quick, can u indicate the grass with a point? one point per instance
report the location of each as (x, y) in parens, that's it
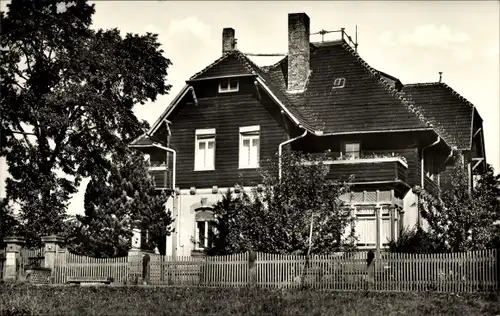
(74, 300)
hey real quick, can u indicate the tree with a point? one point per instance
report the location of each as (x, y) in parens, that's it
(463, 220)
(276, 217)
(67, 93)
(115, 204)
(8, 223)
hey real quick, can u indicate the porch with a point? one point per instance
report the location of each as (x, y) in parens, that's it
(379, 217)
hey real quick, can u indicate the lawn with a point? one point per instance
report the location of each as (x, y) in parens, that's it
(66, 300)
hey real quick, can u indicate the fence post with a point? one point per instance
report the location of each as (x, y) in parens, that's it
(51, 252)
(252, 258)
(497, 263)
(378, 224)
(12, 265)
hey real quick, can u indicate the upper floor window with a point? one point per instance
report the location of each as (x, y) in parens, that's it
(204, 155)
(338, 83)
(249, 146)
(228, 85)
(352, 150)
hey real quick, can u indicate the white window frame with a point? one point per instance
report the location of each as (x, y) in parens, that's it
(204, 136)
(249, 133)
(338, 83)
(344, 149)
(205, 235)
(225, 85)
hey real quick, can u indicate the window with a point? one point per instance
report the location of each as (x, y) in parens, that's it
(204, 158)
(352, 150)
(338, 83)
(429, 165)
(228, 85)
(204, 229)
(249, 146)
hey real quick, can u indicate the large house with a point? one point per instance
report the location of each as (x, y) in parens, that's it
(394, 138)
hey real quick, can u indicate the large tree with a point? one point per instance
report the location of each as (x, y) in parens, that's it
(464, 219)
(115, 204)
(276, 217)
(8, 223)
(66, 99)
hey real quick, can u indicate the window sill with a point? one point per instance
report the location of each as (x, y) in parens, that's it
(204, 169)
(248, 167)
(228, 91)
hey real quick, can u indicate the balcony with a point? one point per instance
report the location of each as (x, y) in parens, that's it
(162, 177)
(369, 170)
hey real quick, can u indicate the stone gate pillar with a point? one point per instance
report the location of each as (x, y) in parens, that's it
(135, 258)
(13, 260)
(52, 250)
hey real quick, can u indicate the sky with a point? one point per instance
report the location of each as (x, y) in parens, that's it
(411, 40)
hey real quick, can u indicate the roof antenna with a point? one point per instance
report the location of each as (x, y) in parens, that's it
(440, 75)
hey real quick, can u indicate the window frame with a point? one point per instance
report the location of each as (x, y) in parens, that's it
(341, 83)
(429, 168)
(228, 86)
(344, 151)
(208, 238)
(249, 133)
(204, 136)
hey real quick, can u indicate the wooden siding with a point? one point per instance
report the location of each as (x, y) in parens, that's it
(412, 159)
(226, 113)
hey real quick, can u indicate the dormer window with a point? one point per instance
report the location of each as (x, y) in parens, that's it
(338, 83)
(228, 85)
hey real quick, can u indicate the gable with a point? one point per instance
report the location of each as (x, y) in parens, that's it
(226, 114)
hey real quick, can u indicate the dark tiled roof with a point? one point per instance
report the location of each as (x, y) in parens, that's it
(452, 111)
(142, 141)
(366, 103)
(230, 64)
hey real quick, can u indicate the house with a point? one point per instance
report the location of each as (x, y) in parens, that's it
(394, 138)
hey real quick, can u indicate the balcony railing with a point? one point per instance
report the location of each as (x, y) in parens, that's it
(365, 170)
(162, 177)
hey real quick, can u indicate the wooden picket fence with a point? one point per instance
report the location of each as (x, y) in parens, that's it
(33, 257)
(448, 272)
(70, 266)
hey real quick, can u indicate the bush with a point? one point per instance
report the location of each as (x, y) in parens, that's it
(416, 240)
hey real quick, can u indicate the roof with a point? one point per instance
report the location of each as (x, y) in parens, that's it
(231, 63)
(142, 141)
(367, 102)
(453, 112)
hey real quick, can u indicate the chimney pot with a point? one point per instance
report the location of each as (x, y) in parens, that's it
(298, 50)
(228, 40)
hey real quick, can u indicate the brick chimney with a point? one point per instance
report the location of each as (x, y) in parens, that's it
(298, 51)
(228, 40)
